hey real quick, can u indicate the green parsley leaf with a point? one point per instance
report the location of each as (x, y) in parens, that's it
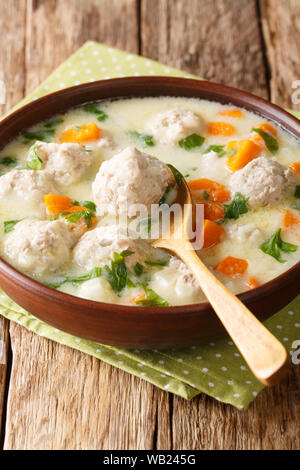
(34, 162)
(270, 141)
(126, 253)
(138, 269)
(237, 207)
(44, 135)
(297, 192)
(144, 138)
(117, 273)
(192, 141)
(215, 148)
(176, 173)
(9, 161)
(88, 204)
(52, 123)
(273, 246)
(158, 263)
(84, 214)
(95, 272)
(93, 108)
(164, 196)
(9, 225)
(152, 299)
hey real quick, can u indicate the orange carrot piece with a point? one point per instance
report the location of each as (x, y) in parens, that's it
(246, 151)
(57, 204)
(204, 183)
(236, 113)
(137, 299)
(231, 266)
(290, 219)
(213, 211)
(267, 127)
(212, 233)
(221, 195)
(253, 283)
(295, 167)
(220, 128)
(84, 133)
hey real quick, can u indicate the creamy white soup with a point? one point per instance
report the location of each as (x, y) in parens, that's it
(67, 185)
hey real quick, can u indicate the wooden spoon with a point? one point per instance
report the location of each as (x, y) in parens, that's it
(264, 354)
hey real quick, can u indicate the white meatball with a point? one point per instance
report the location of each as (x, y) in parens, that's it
(26, 188)
(130, 177)
(98, 246)
(39, 247)
(263, 180)
(66, 162)
(169, 127)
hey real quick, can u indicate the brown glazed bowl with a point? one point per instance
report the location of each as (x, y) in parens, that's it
(142, 327)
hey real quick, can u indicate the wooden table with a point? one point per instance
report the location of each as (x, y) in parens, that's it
(53, 397)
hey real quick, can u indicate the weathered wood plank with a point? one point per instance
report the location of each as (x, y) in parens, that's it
(281, 29)
(12, 68)
(57, 28)
(59, 398)
(218, 40)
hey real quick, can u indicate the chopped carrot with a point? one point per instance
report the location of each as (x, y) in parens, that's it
(204, 183)
(295, 167)
(290, 219)
(212, 233)
(137, 299)
(267, 127)
(57, 204)
(221, 195)
(220, 128)
(253, 283)
(213, 211)
(236, 113)
(84, 133)
(231, 266)
(246, 150)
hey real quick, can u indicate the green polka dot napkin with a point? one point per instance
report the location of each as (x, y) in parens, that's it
(214, 368)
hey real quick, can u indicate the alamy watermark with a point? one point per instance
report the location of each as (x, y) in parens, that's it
(295, 355)
(296, 94)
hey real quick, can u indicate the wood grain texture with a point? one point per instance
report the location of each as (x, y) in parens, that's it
(58, 397)
(57, 28)
(219, 40)
(281, 28)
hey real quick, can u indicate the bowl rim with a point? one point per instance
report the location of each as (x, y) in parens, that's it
(281, 117)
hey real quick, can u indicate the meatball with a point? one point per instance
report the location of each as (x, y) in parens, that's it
(27, 187)
(130, 177)
(169, 127)
(39, 247)
(262, 180)
(97, 246)
(66, 163)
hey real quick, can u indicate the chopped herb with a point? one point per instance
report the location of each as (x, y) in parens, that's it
(164, 196)
(88, 204)
(273, 246)
(9, 161)
(187, 175)
(138, 269)
(53, 123)
(95, 272)
(237, 207)
(34, 162)
(152, 299)
(270, 141)
(177, 175)
(157, 263)
(44, 135)
(117, 273)
(192, 141)
(144, 138)
(59, 215)
(126, 253)
(215, 148)
(205, 195)
(9, 225)
(297, 192)
(229, 153)
(93, 108)
(85, 214)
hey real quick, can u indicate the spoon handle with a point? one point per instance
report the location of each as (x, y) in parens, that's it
(264, 354)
